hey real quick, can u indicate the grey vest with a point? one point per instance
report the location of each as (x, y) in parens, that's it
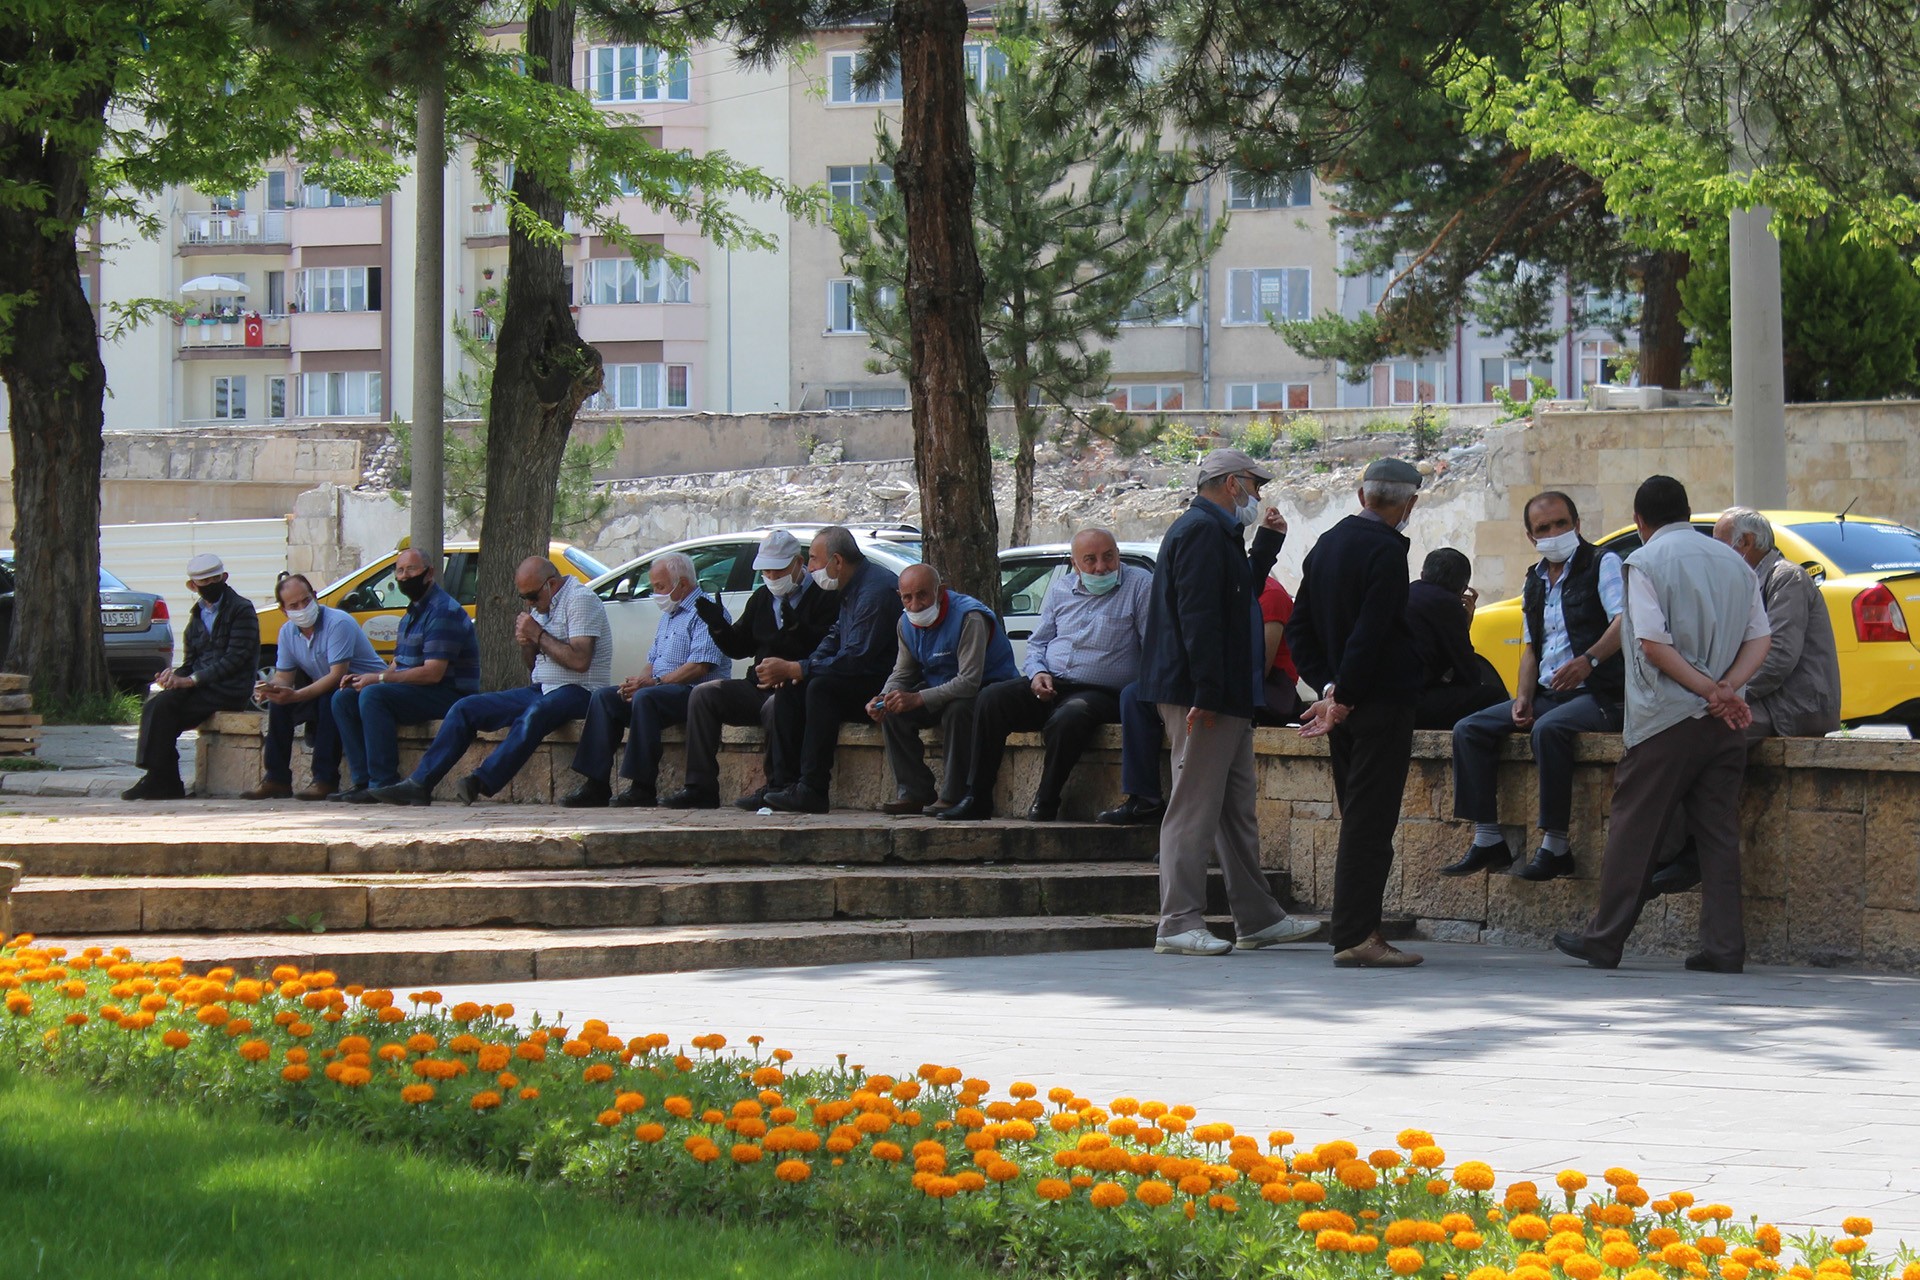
(1706, 592)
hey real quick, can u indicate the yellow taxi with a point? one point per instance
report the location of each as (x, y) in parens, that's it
(372, 595)
(1868, 571)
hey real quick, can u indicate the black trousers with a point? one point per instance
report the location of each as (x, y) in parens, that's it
(1442, 706)
(322, 733)
(722, 702)
(807, 719)
(1371, 751)
(1066, 724)
(168, 714)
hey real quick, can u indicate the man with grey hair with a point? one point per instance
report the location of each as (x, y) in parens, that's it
(1796, 691)
(1200, 664)
(683, 654)
(1350, 637)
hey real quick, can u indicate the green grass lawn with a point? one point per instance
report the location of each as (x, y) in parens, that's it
(97, 1185)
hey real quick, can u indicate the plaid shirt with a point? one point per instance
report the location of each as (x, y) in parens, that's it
(435, 626)
(1091, 639)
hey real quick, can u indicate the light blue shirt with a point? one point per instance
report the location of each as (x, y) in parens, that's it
(336, 638)
(683, 638)
(208, 612)
(1556, 649)
(790, 601)
(575, 612)
(1091, 639)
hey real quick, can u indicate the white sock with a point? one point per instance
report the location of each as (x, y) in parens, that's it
(1554, 842)
(1487, 834)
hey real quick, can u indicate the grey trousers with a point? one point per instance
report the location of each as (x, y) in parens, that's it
(1211, 812)
(907, 755)
(1559, 720)
(722, 702)
(1688, 774)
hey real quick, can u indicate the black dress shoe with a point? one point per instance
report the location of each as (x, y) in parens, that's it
(1043, 811)
(156, 786)
(754, 800)
(347, 796)
(1481, 857)
(1680, 875)
(692, 798)
(798, 798)
(405, 791)
(968, 810)
(1546, 865)
(361, 795)
(1701, 962)
(469, 789)
(1134, 811)
(591, 794)
(635, 797)
(938, 809)
(1576, 946)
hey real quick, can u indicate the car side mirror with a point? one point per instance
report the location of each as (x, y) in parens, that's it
(623, 590)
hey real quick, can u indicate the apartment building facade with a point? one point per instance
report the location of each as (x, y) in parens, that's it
(299, 305)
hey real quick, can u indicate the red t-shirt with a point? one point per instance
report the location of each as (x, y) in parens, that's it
(1277, 606)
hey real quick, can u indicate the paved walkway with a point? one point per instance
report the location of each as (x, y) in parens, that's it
(94, 760)
(1788, 1093)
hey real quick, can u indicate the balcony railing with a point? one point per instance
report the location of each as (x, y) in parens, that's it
(491, 220)
(196, 333)
(240, 227)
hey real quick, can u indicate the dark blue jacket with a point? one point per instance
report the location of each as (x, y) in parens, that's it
(1349, 624)
(1203, 645)
(864, 639)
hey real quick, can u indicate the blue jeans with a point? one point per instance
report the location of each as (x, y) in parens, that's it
(532, 714)
(368, 721)
(643, 717)
(1140, 738)
(282, 720)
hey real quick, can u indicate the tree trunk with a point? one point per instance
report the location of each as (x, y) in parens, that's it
(1663, 338)
(56, 390)
(429, 496)
(948, 377)
(542, 375)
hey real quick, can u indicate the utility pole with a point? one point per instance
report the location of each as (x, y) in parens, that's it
(430, 325)
(1759, 378)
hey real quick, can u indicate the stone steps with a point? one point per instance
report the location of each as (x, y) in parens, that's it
(618, 898)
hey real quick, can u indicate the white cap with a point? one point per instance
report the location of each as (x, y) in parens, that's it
(205, 565)
(777, 551)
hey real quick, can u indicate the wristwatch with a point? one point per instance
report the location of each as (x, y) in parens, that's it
(1591, 660)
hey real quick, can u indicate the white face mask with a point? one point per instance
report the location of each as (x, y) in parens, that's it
(1560, 547)
(924, 617)
(668, 605)
(304, 618)
(784, 585)
(1248, 512)
(822, 581)
(1402, 526)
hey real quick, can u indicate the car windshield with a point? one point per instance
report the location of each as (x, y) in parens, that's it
(1854, 546)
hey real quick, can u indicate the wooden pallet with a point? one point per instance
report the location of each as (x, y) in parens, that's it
(19, 724)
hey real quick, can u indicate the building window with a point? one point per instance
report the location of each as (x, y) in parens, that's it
(1255, 297)
(235, 203)
(841, 89)
(847, 183)
(643, 386)
(276, 293)
(315, 196)
(1597, 357)
(1409, 382)
(637, 73)
(1159, 302)
(277, 396)
(612, 281)
(280, 189)
(1513, 376)
(1269, 191)
(1149, 397)
(628, 185)
(340, 289)
(340, 395)
(866, 397)
(986, 65)
(1268, 397)
(230, 398)
(843, 314)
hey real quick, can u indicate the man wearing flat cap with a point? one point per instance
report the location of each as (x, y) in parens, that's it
(222, 655)
(1350, 638)
(1200, 664)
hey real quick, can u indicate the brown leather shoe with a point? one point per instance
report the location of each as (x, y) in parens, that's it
(904, 808)
(1376, 953)
(316, 790)
(269, 790)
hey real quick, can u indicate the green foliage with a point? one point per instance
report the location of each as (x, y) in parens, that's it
(1512, 410)
(25, 764)
(1258, 437)
(1305, 433)
(1177, 442)
(1850, 316)
(60, 707)
(1425, 428)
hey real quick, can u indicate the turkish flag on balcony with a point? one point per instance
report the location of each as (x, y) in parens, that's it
(256, 331)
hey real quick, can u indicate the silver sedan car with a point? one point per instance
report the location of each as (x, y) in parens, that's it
(135, 625)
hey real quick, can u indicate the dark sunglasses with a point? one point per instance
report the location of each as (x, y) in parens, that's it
(531, 596)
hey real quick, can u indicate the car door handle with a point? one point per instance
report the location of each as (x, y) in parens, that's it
(1018, 635)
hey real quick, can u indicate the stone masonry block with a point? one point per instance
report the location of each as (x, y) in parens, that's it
(1828, 789)
(1893, 843)
(1420, 850)
(1891, 940)
(1825, 887)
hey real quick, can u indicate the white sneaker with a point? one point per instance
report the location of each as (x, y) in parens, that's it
(1285, 929)
(1194, 942)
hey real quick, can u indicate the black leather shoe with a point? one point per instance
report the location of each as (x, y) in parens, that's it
(1576, 946)
(347, 796)
(1680, 875)
(754, 800)
(156, 786)
(405, 791)
(1544, 865)
(468, 789)
(1701, 962)
(968, 810)
(1481, 857)
(1134, 811)
(798, 798)
(361, 795)
(938, 809)
(634, 797)
(1043, 811)
(692, 798)
(591, 794)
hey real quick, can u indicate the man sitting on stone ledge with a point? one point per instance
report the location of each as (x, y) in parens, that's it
(317, 648)
(683, 655)
(1085, 649)
(436, 662)
(951, 646)
(564, 640)
(223, 645)
(785, 619)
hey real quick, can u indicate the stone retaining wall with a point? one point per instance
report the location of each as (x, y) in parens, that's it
(1831, 831)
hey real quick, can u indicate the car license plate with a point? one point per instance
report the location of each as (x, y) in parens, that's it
(119, 617)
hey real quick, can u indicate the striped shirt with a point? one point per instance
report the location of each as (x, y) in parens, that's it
(575, 612)
(435, 626)
(1091, 639)
(683, 638)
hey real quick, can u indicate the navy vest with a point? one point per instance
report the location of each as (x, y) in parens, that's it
(1585, 616)
(938, 647)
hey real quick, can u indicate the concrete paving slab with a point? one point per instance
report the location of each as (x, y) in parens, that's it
(1751, 1090)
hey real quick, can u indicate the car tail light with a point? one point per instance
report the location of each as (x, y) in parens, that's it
(160, 610)
(1877, 616)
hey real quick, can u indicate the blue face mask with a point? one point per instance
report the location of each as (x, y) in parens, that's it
(1098, 584)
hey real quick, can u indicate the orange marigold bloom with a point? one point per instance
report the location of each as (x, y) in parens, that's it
(598, 1073)
(1308, 1192)
(171, 1039)
(1661, 1237)
(1618, 1177)
(1405, 1262)
(1357, 1175)
(793, 1171)
(1522, 1197)
(1052, 1189)
(1848, 1245)
(628, 1103)
(608, 1118)
(213, 1015)
(1632, 1195)
(1527, 1226)
(1857, 1226)
(650, 1132)
(1107, 1195)
(255, 1050)
(678, 1107)
(705, 1152)
(299, 1030)
(887, 1151)
(484, 1100)
(354, 1077)
(1619, 1254)
(1429, 1157)
(295, 1072)
(415, 1094)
